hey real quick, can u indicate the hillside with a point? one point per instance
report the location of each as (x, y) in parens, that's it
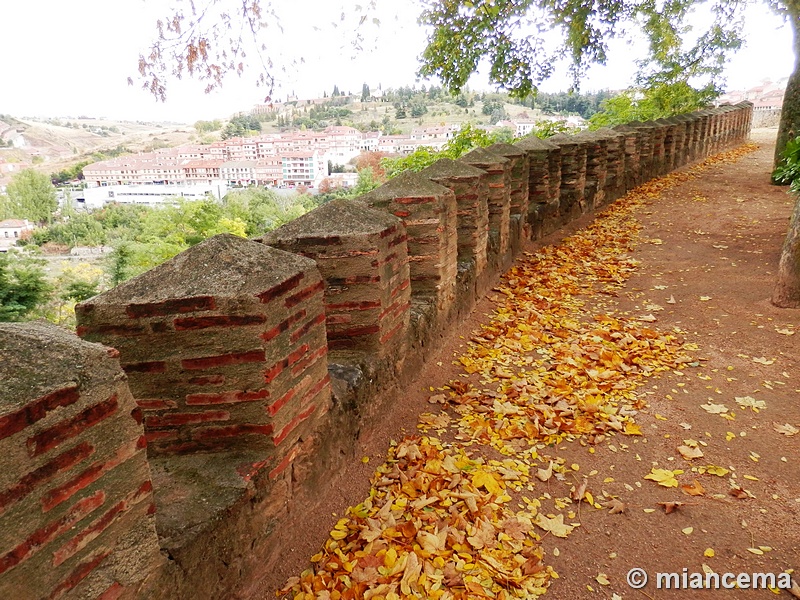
(49, 146)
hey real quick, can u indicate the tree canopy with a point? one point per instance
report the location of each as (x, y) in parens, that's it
(30, 195)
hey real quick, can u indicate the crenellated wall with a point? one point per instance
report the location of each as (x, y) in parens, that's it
(234, 379)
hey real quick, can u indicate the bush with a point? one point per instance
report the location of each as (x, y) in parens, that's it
(788, 170)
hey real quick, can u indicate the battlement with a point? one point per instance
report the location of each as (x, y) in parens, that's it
(211, 396)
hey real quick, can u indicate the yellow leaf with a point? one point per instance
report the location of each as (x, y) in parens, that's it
(663, 477)
(556, 525)
(718, 471)
(487, 481)
(709, 553)
(602, 579)
(688, 530)
(632, 428)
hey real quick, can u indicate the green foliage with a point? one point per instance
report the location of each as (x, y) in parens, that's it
(321, 116)
(241, 126)
(81, 230)
(69, 174)
(30, 195)
(787, 171)
(546, 129)
(23, 285)
(208, 126)
(466, 139)
(366, 182)
(261, 210)
(660, 101)
(465, 34)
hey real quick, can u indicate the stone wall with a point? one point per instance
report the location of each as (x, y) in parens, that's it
(76, 501)
(248, 368)
(767, 118)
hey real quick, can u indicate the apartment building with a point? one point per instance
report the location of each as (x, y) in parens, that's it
(303, 168)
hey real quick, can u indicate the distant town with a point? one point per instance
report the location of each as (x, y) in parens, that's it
(295, 158)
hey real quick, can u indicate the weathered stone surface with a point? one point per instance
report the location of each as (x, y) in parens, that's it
(573, 175)
(428, 211)
(76, 496)
(224, 346)
(544, 184)
(520, 171)
(615, 163)
(498, 169)
(471, 188)
(596, 168)
(362, 256)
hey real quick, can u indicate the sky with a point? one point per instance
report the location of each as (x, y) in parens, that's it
(71, 58)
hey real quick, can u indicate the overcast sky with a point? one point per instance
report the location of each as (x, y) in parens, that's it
(68, 58)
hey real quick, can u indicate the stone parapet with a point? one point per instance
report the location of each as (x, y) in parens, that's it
(76, 497)
(594, 193)
(471, 188)
(224, 347)
(362, 257)
(428, 211)
(573, 176)
(498, 169)
(225, 350)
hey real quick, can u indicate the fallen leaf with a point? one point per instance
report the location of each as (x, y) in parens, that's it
(647, 318)
(795, 589)
(615, 506)
(687, 530)
(487, 481)
(709, 553)
(556, 525)
(578, 493)
(785, 429)
(718, 471)
(750, 402)
(763, 361)
(695, 489)
(738, 492)
(785, 331)
(545, 474)
(714, 409)
(670, 506)
(690, 453)
(705, 298)
(663, 477)
(757, 551)
(671, 300)
(602, 579)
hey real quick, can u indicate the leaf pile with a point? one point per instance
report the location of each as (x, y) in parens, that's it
(437, 522)
(436, 525)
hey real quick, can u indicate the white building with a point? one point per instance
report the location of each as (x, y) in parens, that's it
(149, 195)
(12, 230)
(303, 168)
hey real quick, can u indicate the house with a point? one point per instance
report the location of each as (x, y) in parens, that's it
(12, 230)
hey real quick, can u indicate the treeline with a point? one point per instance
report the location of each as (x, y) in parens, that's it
(141, 238)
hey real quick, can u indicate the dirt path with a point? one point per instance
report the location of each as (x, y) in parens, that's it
(706, 256)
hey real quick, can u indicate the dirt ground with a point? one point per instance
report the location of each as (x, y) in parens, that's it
(707, 257)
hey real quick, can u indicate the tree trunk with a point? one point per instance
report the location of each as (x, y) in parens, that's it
(787, 289)
(789, 127)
